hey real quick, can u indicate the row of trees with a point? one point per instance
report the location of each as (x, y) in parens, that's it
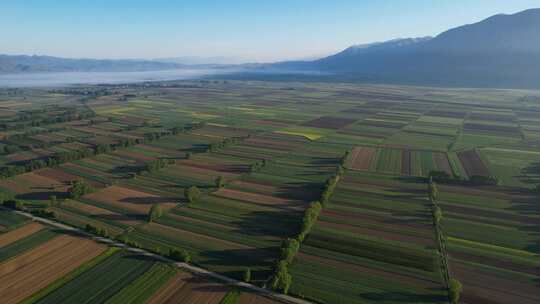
(63, 157)
(281, 278)
(257, 166)
(36, 118)
(227, 142)
(453, 286)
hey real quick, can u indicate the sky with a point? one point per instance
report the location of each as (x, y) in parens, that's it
(241, 30)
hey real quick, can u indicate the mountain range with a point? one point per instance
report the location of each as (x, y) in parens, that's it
(500, 51)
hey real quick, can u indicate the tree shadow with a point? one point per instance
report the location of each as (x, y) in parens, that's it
(127, 169)
(300, 191)
(195, 148)
(259, 260)
(279, 223)
(42, 195)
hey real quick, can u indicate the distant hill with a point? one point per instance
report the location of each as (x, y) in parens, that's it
(500, 51)
(25, 64)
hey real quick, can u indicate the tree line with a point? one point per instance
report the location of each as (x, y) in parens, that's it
(63, 157)
(452, 285)
(281, 279)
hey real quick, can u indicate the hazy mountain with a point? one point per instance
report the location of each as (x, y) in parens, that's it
(500, 51)
(23, 63)
(196, 60)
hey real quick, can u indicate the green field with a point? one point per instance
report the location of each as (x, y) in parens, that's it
(259, 154)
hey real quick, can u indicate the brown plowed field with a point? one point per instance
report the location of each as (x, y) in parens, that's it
(167, 291)
(131, 200)
(19, 233)
(39, 187)
(362, 157)
(187, 289)
(472, 163)
(37, 268)
(57, 174)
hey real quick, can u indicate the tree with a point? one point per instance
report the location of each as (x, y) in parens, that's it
(247, 275)
(289, 249)
(437, 214)
(282, 279)
(220, 182)
(455, 289)
(154, 213)
(79, 188)
(192, 194)
(180, 255)
(432, 190)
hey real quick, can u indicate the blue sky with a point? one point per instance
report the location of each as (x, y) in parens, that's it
(249, 30)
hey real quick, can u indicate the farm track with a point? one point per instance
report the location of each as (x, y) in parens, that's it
(184, 266)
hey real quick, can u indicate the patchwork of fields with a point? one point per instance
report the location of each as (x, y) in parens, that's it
(232, 168)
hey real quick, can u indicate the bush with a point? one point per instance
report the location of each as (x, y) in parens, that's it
(455, 289)
(282, 279)
(247, 275)
(437, 215)
(192, 194)
(79, 188)
(95, 230)
(180, 255)
(289, 249)
(310, 217)
(154, 213)
(220, 182)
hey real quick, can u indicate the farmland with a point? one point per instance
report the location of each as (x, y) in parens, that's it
(223, 172)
